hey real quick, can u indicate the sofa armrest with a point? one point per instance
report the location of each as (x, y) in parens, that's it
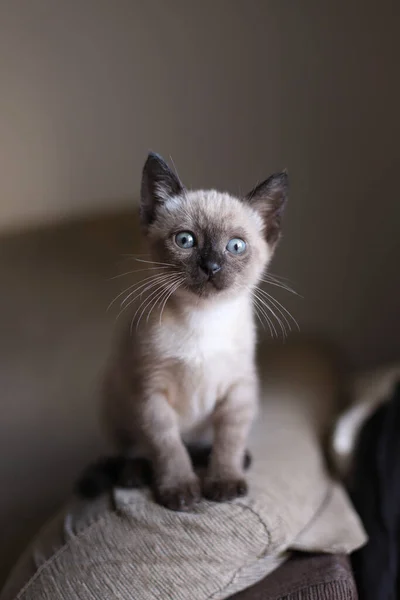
(317, 577)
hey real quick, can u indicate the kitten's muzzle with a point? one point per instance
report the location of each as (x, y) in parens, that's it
(209, 268)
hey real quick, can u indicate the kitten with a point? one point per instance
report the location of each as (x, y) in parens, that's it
(186, 373)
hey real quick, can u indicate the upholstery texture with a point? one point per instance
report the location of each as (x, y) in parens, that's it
(132, 548)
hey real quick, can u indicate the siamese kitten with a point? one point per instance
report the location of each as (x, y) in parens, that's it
(186, 372)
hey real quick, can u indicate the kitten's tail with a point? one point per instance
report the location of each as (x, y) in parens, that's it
(112, 471)
(119, 471)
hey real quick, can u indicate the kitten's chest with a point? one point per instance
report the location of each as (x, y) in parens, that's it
(211, 352)
(208, 337)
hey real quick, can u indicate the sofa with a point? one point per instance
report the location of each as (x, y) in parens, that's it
(56, 338)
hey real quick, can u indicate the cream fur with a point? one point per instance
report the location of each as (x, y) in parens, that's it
(189, 374)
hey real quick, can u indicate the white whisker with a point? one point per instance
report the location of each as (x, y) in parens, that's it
(281, 285)
(168, 297)
(160, 298)
(136, 271)
(150, 281)
(154, 262)
(257, 311)
(133, 300)
(269, 320)
(130, 288)
(135, 255)
(148, 286)
(157, 299)
(175, 169)
(148, 300)
(279, 306)
(277, 278)
(156, 284)
(279, 312)
(278, 320)
(258, 316)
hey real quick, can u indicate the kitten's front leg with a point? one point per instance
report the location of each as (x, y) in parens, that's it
(176, 485)
(232, 421)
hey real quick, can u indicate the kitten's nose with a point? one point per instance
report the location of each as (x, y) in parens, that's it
(210, 268)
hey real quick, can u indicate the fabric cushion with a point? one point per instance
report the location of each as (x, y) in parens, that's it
(136, 548)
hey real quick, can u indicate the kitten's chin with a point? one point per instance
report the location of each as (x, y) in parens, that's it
(197, 292)
(205, 291)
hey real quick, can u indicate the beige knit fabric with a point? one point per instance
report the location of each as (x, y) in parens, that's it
(142, 551)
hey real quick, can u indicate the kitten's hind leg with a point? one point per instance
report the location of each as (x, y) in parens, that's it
(201, 456)
(135, 474)
(100, 477)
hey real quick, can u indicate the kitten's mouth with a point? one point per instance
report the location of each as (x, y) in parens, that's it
(208, 288)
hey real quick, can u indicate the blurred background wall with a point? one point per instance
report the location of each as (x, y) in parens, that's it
(231, 90)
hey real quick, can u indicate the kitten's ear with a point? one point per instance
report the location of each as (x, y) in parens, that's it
(269, 199)
(158, 184)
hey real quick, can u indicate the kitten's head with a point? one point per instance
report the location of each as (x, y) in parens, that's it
(213, 242)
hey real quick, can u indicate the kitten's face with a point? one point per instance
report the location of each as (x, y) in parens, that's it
(212, 239)
(214, 243)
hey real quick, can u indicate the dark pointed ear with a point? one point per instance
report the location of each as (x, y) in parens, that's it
(158, 184)
(269, 199)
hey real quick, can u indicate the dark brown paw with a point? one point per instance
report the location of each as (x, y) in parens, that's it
(221, 490)
(181, 497)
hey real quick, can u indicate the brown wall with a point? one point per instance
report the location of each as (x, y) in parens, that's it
(231, 90)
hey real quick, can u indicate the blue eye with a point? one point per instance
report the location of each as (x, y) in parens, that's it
(236, 246)
(184, 239)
